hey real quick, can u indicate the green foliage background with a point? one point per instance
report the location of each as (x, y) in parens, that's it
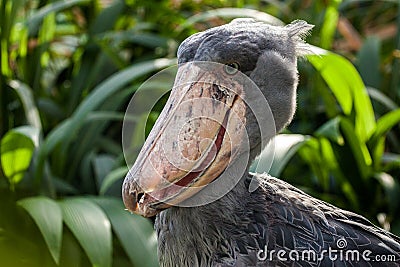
(69, 68)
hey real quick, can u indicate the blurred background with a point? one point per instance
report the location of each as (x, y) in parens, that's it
(69, 69)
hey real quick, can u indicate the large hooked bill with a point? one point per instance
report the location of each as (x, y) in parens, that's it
(198, 134)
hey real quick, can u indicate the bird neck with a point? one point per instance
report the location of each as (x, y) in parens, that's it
(227, 209)
(204, 233)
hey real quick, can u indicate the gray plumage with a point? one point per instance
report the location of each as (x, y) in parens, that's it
(232, 230)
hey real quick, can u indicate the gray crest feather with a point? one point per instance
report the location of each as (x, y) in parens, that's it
(298, 30)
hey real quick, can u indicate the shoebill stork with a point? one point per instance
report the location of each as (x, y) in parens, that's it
(274, 225)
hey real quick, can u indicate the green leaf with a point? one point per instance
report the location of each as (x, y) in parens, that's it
(9, 11)
(380, 97)
(91, 228)
(135, 233)
(114, 83)
(230, 13)
(329, 66)
(103, 165)
(320, 156)
(28, 102)
(63, 188)
(16, 151)
(111, 178)
(33, 22)
(109, 87)
(349, 90)
(311, 153)
(383, 125)
(281, 149)
(391, 159)
(107, 116)
(90, 136)
(368, 61)
(47, 29)
(48, 217)
(50, 109)
(330, 24)
(358, 148)
(64, 132)
(391, 187)
(149, 40)
(72, 254)
(105, 21)
(330, 130)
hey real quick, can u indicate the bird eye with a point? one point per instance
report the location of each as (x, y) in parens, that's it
(232, 68)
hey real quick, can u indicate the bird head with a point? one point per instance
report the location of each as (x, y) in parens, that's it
(229, 79)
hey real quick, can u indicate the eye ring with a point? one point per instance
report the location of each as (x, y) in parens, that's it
(231, 68)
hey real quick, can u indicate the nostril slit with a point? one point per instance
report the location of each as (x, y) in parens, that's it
(139, 196)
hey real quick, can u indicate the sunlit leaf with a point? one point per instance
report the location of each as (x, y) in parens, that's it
(333, 77)
(91, 228)
(330, 24)
(348, 88)
(48, 28)
(9, 11)
(135, 233)
(16, 149)
(48, 217)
